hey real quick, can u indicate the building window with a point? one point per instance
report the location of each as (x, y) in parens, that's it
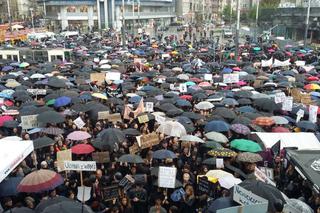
(71, 9)
(84, 9)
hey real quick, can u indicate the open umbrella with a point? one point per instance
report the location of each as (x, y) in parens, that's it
(82, 149)
(4, 119)
(68, 207)
(264, 121)
(109, 138)
(222, 152)
(221, 203)
(164, 154)
(62, 101)
(240, 129)
(39, 181)
(249, 157)
(130, 158)
(216, 126)
(245, 145)
(296, 205)
(172, 128)
(8, 187)
(307, 125)
(192, 138)
(210, 161)
(280, 120)
(78, 135)
(229, 181)
(204, 105)
(42, 142)
(217, 136)
(50, 117)
(20, 210)
(46, 203)
(212, 145)
(53, 131)
(218, 173)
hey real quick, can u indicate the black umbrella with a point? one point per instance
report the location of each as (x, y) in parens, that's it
(307, 125)
(109, 138)
(50, 117)
(225, 113)
(130, 158)
(8, 187)
(56, 82)
(67, 207)
(267, 104)
(193, 115)
(20, 210)
(11, 124)
(42, 142)
(264, 190)
(46, 203)
(131, 132)
(221, 203)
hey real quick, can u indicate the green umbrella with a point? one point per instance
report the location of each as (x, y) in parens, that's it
(51, 102)
(256, 48)
(245, 145)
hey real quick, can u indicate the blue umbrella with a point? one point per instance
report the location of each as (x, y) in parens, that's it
(227, 70)
(216, 126)
(8, 187)
(315, 94)
(164, 154)
(135, 99)
(4, 95)
(85, 96)
(148, 88)
(244, 109)
(183, 103)
(62, 101)
(221, 203)
(7, 68)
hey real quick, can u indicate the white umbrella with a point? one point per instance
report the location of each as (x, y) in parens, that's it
(177, 69)
(204, 105)
(172, 128)
(183, 77)
(104, 61)
(217, 136)
(229, 181)
(37, 76)
(192, 138)
(280, 120)
(105, 66)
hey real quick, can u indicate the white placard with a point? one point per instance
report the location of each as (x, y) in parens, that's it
(313, 113)
(84, 193)
(37, 91)
(208, 77)
(172, 87)
(79, 123)
(300, 115)
(183, 88)
(245, 197)
(219, 163)
(231, 78)
(80, 165)
(96, 60)
(266, 63)
(1, 101)
(300, 63)
(287, 104)
(29, 121)
(279, 97)
(167, 177)
(149, 106)
(160, 119)
(263, 177)
(113, 76)
(165, 56)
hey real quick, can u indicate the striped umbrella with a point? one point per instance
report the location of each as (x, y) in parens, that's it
(40, 181)
(240, 129)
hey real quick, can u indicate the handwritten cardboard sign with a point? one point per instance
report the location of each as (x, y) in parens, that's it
(37, 91)
(97, 77)
(134, 148)
(101, 157)
(80, 165)
(29, 121)
(114, 117)
(143, 119)
(110, 192)
(65, 155)
(103, 115)
(167, 177)
(245, 197)
(149, 140)
(231, 78)
(79, 122)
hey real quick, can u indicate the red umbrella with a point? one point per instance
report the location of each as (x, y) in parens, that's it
(196, 80)
(205, 84)
(280, 129)
(4, 119)
(186, 97)
(81, 149)
(313, 78)
(40, 181)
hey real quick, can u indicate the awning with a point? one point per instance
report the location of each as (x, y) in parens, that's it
(301, 140)
(307, 163)
(12, 151)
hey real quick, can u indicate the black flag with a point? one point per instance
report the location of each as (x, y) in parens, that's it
(276, 149)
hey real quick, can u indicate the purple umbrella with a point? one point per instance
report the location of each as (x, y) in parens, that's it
(240, 129)
(7, 68)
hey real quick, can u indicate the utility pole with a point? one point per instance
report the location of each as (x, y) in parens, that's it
(231, 8)
(138, 1)
(203, 11)
(307, 24)
(257, 17)
(123, 26)
(237, 30)
(9, 14)
(32, 21)
(133, 17)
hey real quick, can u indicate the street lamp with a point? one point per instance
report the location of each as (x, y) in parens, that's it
(237, 30)
(9, 14)
(32, 22)
(307, 24)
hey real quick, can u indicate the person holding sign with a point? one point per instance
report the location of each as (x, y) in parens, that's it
(189, 200)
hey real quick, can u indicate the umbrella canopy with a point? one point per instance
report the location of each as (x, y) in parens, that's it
(45, 203)
(216, 126)
(307, 125)
(212, 145)
(249, 157)
(50, 117)
(172, 128)
(264, 121)
(217, 136)
(192, 138)
(130, 158)
(204, 105)
(222, 152)
(240, 129)
(229, 181)
(8, 187)
(264, 190)
(78, 136)
(39, 181)
(53, 131)
(164, 154)
(297, 205)
(218, 173)
(42, 142)
(4, 119)
(20, 210)
(221, 203)
(62, 101)
(280, 120)
(109, 138)
(245, 145)
(81, 149)
(67, 207)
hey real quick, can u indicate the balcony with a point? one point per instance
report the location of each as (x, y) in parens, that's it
(148, 15)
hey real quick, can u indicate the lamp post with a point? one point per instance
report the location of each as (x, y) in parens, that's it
(9, 14)
(32, 21)
(123, 26)
(237, 30)
(307, 24)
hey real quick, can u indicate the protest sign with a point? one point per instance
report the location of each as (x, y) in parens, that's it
(256, 208)
(134, 148)
(163, 56)
(183, 88)
(279, 97)
(80, 165)
(245, 197)
(267, 171)
(149, 106)
(306, 99)
(140, 178)
(114, 117)
(287, 104)
(103, 115)
(167, 177)
(231, 78)
(278, 63)
(84, 193)
(208, 77)
(300, 115)
(204, 186)
(143, 119)
(263, 177)
(219, 163)
(110, 192)
(79, 123)
(313, 113)
(172, 87)
(300, 63)
(160, 119)
(97, 77)
(149, 140)
(101, 157)
(29, 121)
(65, 155)
(266, 63)
(96, 60)
(37, 91)
(113, 76)
(127, 182)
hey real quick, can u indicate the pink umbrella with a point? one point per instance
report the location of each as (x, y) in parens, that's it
(242, 83)
(4, 119)
(204, 84)
(82, 149)
(78, 136)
